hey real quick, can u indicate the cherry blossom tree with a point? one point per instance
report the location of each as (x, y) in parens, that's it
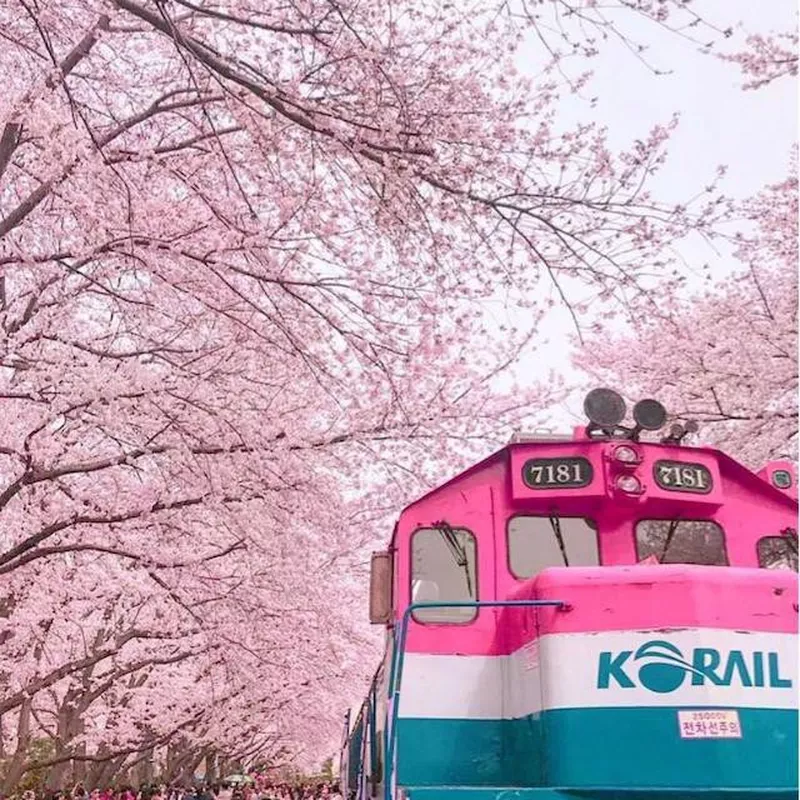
(767, 58)
(117, 673)
(726, 358)
(249, 262)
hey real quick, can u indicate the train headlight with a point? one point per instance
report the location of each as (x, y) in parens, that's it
(626, 455)
(629, 484)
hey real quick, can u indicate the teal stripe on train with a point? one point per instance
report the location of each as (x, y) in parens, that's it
(481, 752)
(597, 747)
(561, 793)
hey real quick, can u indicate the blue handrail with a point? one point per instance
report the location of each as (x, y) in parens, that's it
(398, 659)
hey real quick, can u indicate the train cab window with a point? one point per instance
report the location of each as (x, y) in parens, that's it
(535, 543)
(444, 569)
(777, 552)
(684, 541)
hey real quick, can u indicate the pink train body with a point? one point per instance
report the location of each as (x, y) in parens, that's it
(663, 658)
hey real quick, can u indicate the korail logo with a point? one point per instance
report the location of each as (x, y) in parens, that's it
(661, 667)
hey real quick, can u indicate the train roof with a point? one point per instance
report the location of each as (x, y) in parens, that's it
(730, 469)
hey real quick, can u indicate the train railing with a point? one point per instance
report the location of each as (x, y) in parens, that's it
(398, 660)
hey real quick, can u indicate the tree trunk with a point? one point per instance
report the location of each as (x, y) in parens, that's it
(212, 766)
(16, 767)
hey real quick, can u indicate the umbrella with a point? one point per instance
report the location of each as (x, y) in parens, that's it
(238, 779)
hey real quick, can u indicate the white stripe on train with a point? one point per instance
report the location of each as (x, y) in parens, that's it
(508, 687)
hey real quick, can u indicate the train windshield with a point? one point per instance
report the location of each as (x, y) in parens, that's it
(778, 552)
(443, 569)
(535, 543)
(679, 541)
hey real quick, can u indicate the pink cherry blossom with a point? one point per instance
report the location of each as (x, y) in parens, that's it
(726, 358)
(252, 261)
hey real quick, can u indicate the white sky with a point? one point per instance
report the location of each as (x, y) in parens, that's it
(751, 132)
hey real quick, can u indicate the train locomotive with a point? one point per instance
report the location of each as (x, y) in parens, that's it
(593, 616)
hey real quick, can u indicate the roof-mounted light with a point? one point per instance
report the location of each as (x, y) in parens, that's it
(604, 408)
(678, 431)
(650, 415)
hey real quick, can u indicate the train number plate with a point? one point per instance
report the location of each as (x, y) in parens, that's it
(710, 724)
(678, 476)
(557, 473)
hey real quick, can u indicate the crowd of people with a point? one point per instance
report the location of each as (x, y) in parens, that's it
(255, 790)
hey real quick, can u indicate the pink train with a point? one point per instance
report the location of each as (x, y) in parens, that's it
(594, 617)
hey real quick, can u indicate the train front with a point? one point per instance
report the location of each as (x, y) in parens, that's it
(597, 615)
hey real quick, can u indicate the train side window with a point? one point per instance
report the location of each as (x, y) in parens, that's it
(533, 544)
(444, 569)
(681, 541)
(777, 552)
